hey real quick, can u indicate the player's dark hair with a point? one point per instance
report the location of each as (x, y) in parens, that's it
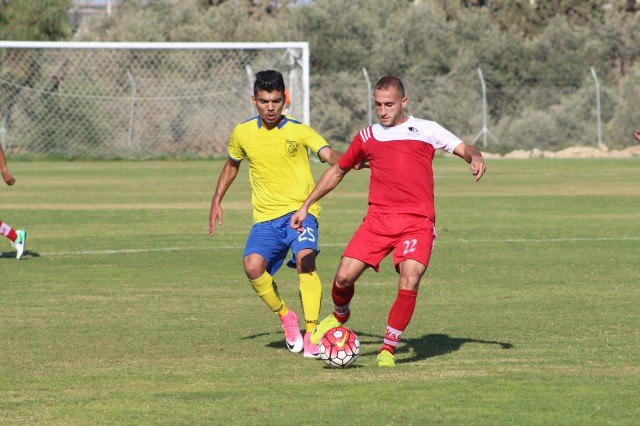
(385, 82)
(269, 80)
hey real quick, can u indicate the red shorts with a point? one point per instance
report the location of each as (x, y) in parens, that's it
(407, 235)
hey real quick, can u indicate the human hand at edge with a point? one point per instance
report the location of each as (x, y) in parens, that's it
(478, 167)
(215, 216)
(8, 178)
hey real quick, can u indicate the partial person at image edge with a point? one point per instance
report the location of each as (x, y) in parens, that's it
(18, 237)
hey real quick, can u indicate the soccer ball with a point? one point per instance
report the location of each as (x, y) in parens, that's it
(339, 347)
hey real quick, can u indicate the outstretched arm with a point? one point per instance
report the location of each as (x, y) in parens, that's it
(472, 155)
(329, 180)
(331, 156)
(6, 175)
(227, 176)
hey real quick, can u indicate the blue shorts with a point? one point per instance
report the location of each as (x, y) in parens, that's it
(273, 239)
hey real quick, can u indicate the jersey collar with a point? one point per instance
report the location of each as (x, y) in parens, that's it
(409, 120)
(283, 120)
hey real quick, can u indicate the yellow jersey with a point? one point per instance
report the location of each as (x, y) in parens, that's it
(279, 168)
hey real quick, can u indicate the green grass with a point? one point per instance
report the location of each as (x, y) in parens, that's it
(125, 311)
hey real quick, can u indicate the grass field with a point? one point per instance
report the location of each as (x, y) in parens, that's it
(125, 311)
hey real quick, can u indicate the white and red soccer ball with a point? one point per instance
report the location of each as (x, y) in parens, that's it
(339, 347)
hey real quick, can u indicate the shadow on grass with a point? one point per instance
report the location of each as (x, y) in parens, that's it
(276, 344)
(427, 346)
(12, 254)
(272, 345)
(431, 345)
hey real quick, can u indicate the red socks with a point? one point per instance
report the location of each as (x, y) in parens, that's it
(399, 317)
(341, 298)
(8, 232)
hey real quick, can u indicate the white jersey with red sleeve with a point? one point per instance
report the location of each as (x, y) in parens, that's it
(400, 159)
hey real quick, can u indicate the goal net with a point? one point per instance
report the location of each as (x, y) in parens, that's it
(137, 100)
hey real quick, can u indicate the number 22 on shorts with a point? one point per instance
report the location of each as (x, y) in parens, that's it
(409, 246)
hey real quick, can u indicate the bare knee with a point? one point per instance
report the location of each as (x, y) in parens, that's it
(349, 271)
(306, 261)
(344, 278)
(409, 283)
(254, 266)
(411, 273)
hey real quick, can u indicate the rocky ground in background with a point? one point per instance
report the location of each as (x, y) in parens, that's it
(572, 152)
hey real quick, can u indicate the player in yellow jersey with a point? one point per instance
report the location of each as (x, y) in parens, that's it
(276, 148)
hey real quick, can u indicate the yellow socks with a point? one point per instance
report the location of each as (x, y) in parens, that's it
(266, 288)
(310, 297)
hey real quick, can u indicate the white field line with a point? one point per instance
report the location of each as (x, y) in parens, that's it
(167, 249)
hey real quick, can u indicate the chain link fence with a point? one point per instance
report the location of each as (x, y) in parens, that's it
(508, 117)
(181, 103)
(113, 102)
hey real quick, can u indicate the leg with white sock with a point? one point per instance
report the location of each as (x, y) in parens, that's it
(17, 237)
(402, 309)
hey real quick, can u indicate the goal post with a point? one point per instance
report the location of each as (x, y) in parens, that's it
(100, 100)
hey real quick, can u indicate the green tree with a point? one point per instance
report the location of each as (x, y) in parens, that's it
(618, 132)
(34, 20)
(165, 20)
(535, 55)
(619, 38)
(530, 17)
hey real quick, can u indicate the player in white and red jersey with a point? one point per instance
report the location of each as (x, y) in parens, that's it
(401, 214)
